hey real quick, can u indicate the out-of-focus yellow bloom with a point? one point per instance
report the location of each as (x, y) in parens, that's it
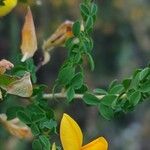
(72, 138)
(7, 7)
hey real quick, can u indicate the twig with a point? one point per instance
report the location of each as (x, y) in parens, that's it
(76, 96)
(63, 95)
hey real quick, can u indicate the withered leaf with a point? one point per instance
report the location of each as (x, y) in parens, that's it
(58, 38)
(16, 127)
(17, 86)
(29, 40)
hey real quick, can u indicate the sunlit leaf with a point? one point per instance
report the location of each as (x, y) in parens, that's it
(54, 146)
(29, 40)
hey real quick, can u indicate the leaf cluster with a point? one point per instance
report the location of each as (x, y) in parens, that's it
(79, 47)
(121, 97)
(39, 117)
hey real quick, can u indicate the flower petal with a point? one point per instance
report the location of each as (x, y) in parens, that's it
(29, 40)
(98, 144)
(70, 134)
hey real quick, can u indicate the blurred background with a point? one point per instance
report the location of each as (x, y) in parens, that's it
(121, 45)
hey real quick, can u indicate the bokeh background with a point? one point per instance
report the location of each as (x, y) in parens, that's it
(121, 45)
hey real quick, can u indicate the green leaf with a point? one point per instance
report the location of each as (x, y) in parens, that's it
(12, 112)
(83, 89)
(91, 61)
(117, 89)
(135, 81)
(94, 9)
(23, 67)
(116, 104)
(88, 44)
(90, 99)
(45, 142)
(77, 81)
(127, 107)
(77, 58)
(19, 70)
(31, 68)
(36, 145)
(76, 28)
(49, 124)
(100, 91)
(144, 73)
(65, 75)
(33, 108)
(84, 10)
(69, 43)
(89, 23)
(145, 87)
(23, 117)
(112, 84)
(5, 80)
(126, 83)
(35, 130)
(37, 117)
(134, 98)
(108, 99)
(70, 94)
(106, 112)
(49, 112)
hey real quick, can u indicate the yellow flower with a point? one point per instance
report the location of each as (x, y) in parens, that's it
(7, 7)
(72, 138)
